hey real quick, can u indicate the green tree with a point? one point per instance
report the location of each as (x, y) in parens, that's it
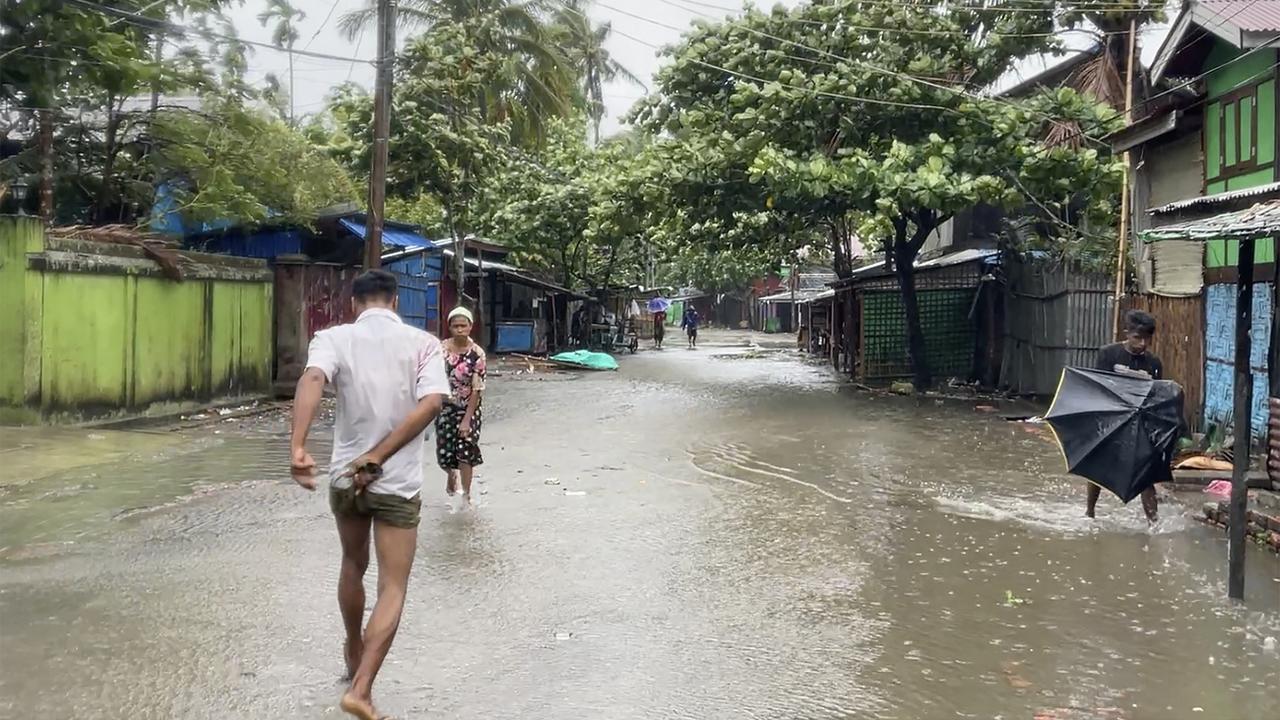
(859, 118)
(539, 206)
(576, 212)
(81, 75)
(284, 35)
(69, 69)
(231, 162)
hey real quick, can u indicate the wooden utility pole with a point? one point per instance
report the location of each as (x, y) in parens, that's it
(1124, 191)
(1243, 412)
(381, 132)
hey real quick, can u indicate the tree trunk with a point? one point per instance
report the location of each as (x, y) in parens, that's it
(842, 264)
(459, 259)
(45, 116)
(905, 250)
(460, 267)
(608, 268)
(109, 163)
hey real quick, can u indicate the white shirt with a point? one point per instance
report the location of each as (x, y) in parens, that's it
(380, 368)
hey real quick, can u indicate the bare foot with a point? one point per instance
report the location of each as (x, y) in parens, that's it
(354, 706)
(451, 485)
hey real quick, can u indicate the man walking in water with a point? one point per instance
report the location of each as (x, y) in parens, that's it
(690, 325)
(1131, 358)
(390, 383)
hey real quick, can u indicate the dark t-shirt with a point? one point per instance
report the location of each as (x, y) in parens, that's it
(1112, 356)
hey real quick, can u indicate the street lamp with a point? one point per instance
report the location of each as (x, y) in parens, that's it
(19, 188)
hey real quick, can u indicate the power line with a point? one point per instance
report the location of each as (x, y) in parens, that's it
(1031, 6)
(682, 5)
(323, 23)
(823, 93)
(170, 28)
(1083, 133)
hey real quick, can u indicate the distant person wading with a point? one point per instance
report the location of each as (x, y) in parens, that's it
(1131, 357)
(690, 325)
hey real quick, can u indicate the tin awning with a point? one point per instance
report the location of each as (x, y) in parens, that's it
(1256, 222)
(1207, 201)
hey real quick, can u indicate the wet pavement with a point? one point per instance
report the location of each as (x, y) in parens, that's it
(720, 533)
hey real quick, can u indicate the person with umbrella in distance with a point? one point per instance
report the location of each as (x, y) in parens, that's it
(658, 308)
(1118, 424)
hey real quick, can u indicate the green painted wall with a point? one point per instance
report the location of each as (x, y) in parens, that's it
(84, 356)
(20, 318)
(1236, 72)
(87, 344)
(1255, 69)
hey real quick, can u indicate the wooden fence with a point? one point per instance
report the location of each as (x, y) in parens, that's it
(1179, 343)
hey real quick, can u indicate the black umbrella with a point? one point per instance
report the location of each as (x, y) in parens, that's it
(1118, 431)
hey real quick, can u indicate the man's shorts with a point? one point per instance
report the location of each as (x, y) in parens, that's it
(390, 509)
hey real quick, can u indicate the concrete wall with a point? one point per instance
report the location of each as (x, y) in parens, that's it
(94, 330)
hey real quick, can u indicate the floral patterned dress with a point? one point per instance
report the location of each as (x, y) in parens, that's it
(466, 371)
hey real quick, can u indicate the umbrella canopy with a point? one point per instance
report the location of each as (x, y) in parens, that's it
(1118, 431)
(657, 305)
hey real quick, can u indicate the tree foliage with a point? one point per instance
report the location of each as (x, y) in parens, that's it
(573, 211)
(76, 112)
(858, 118)
(231, 162)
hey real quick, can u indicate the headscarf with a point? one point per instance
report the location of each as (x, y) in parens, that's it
(461, 312)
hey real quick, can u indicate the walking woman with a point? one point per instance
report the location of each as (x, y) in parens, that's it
(458, 429)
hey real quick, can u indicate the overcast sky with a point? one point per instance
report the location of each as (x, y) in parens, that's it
(637, 26)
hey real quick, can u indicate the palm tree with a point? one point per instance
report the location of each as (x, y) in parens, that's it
(540, 82)
(585, 43)
(285, 34)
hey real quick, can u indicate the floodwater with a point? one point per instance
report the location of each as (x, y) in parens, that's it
(705, 534)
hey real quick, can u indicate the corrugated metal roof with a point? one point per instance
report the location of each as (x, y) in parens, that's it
(799, 296)
(1248, 15)
(487, 265)
(1218, 198)
(957, 258)
(810, 281)
(1260, 221)
(961, 257)
(391, 236)
(522, 279)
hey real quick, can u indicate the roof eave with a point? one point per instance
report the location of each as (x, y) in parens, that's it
(1172, 43)
(1215, 23)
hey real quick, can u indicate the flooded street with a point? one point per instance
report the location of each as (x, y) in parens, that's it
(707, 534)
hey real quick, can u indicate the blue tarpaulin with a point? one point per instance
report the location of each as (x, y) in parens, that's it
(586, 359)
(391, 236)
